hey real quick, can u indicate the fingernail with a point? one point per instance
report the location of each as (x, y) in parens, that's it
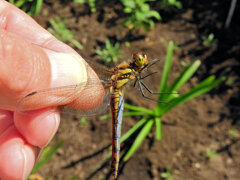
(67, 68)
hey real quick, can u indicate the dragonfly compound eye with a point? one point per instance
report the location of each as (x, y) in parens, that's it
(140, 59)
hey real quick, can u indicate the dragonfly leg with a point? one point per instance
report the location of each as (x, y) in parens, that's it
(142, 92)
(147, 75)
(141, 82)
(140, 78)
(144, 85)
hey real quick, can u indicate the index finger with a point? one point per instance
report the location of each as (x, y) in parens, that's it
(15, 21)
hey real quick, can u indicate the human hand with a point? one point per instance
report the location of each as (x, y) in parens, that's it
(31, 59)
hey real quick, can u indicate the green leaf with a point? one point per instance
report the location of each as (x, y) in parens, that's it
(140, 138)
(137, 108)
(167, 67)
(129, 3)
(198, 90)
(158, 123)
(135, 113)
(110, 53)
(38, 6)
(77, 44)
(154, 14)
(48, 157)
(185, 76)
(127, 10)
(145, 8)
(140, 16)
(79, 1)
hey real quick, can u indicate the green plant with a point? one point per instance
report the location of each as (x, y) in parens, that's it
(60, 31)
(31, 7)
(168, 174)
(46, 155)
(175, 3)
(83, 122)
(153, 117)
(140, 14)
(209, 40)
(110, 53)
(234, 132)
(211, 154)
(91, 4)
(231, 81)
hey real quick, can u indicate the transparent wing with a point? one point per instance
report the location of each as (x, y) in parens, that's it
(152, 62)
(102, 72)
(101, 109)
(80, 96)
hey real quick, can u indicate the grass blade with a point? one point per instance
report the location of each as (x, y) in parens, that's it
(158, 123)
(183, 78)
(140, 138)
(137, 108)
(38, 6)
(107, 116)
(126, 114)
(198, 90)
(47, 157)
(185, 75)
(167, 67)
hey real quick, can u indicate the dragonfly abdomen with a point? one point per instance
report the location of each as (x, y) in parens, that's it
(117, 103)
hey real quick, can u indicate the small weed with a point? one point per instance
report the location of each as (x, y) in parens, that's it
(31, 7)
(168, 174)
(83, 121)
(127, 44)
(171, 3)
(231, 81)
(60, 31)
(211, 154)
(140, 14)
(91, 4)
(234, 132)
(209, 40)
(110, 53)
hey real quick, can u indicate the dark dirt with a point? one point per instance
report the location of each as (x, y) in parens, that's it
(189, 130)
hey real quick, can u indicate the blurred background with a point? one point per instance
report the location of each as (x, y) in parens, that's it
(195, 139)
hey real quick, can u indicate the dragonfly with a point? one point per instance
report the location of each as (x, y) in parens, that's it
(119, 78)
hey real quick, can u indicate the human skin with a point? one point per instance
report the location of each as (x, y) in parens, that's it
(30, 59)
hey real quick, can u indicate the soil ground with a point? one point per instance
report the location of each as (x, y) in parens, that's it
(190, 130)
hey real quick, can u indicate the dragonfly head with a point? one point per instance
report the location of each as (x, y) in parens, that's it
(140, 59)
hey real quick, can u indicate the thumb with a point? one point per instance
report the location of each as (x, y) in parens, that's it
(25, 67)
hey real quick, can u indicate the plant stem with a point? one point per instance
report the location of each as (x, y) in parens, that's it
(230, 13)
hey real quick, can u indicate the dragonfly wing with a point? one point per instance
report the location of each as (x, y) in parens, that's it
(98, 110)
(79, 96)
(120, 115)
(152, 62)
(101, 71)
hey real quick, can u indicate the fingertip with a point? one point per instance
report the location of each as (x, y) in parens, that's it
(17, 157)
(39, 126)
(30, 156)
